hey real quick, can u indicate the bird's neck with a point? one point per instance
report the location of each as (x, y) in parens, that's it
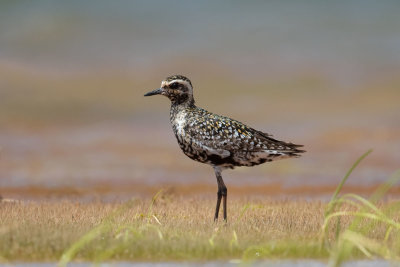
(178, 107)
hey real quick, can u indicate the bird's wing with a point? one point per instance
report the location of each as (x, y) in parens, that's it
(226, 136)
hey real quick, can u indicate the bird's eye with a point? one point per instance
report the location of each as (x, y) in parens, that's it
(174, 85)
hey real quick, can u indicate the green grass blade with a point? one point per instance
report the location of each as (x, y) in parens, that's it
(94, 233)
(333, 202)
(384, 188)
(339, 187)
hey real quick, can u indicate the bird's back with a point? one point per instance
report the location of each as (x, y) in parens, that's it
(221, 141)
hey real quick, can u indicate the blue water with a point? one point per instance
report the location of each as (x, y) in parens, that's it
(343, 39)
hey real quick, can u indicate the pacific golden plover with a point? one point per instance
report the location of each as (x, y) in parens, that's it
(217, 140)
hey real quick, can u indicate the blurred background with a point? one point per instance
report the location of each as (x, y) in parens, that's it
(74, 122)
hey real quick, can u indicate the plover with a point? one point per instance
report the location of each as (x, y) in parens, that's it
(217, 140)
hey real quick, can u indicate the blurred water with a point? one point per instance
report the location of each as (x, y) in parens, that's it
(345, 40)
(323, 74)
(120, 160)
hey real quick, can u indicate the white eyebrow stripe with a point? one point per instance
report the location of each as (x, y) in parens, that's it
(181, 82)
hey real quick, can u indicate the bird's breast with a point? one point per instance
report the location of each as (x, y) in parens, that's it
(179, 123)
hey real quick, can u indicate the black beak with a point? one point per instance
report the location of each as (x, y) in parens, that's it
(155, 92)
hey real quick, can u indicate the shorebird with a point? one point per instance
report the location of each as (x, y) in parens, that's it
(216, 140)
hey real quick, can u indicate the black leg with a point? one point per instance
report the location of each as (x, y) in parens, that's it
(219, 196)
(224, 199)
(222, 194)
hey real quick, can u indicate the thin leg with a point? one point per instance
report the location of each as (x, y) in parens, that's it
(219, 196)
(224, 199)
(222, 194)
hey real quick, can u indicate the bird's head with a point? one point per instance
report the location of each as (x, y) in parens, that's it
(177, 88)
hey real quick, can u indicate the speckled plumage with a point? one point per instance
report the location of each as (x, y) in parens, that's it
(217, 140)
(224, 142)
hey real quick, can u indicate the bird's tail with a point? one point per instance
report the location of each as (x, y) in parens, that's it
(290, 149)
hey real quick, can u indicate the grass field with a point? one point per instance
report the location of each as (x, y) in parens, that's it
(172, 228)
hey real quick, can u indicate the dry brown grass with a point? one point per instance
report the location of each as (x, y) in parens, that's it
(173, 228)
(183, 228)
